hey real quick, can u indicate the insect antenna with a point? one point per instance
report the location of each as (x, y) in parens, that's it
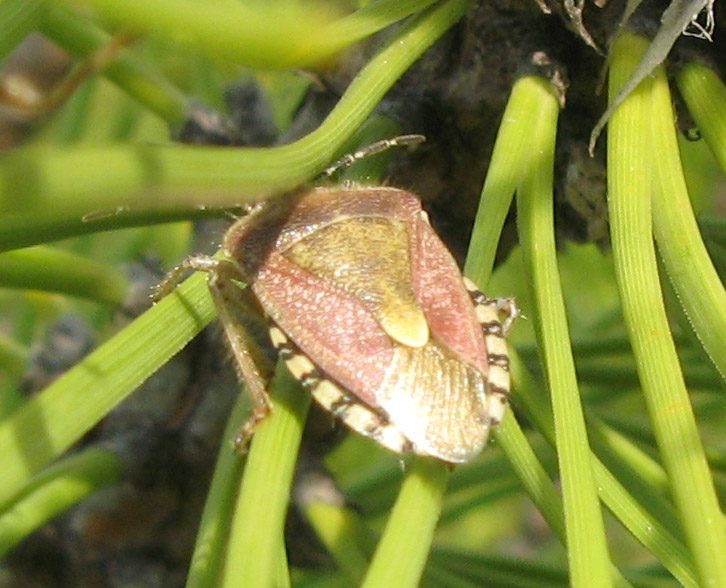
(372, 149)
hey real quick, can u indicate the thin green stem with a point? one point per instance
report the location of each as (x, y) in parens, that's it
(84, 39)
(631, 169)
(256, 545)
(497, 570)
(50, 422)
(536, 481)
(55, 270)
(259, 35)
(502, 179)
(55, 193)
(18, 18)
(57, 489)
(645, 527)
(402, 551)
(209, 548)
(687, 262)
(705, 96)
(342, 531)
(371, 18)
(587, 547)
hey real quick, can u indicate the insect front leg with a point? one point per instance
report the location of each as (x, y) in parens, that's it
(197, 263)
(233, 303)
(252, 365)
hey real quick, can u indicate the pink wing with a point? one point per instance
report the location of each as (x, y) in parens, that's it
(329, 325)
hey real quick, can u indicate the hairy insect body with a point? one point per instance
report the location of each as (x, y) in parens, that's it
(372, 315)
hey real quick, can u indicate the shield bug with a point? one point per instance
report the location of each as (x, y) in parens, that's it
(370, 312)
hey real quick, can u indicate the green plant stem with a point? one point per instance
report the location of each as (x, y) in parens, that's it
(497, 570)
(536, 481)
(626, 376)
(645, 470)
(646, 482)
(645, 527)
(13, 356)
(254, 34)
(699, 288)
(369, 19)
(641, 523)
(76, 191)
(57, 489)
(18, 18)
(83, 39)
(50, 422)
(630, 165)
(502, 179)
(674, 21)
(705, 96)
(539, 487)
(259, 35)
(342, 531)
(587, 547)
(255, 552)
(209, 548)
(402, 551)
(55, 270)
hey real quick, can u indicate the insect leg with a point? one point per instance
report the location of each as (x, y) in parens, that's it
(233, 302)
(251, 364)
(507, 307)
(197, 263)
(501, 306)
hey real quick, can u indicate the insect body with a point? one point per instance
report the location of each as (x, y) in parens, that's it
(371, 313)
